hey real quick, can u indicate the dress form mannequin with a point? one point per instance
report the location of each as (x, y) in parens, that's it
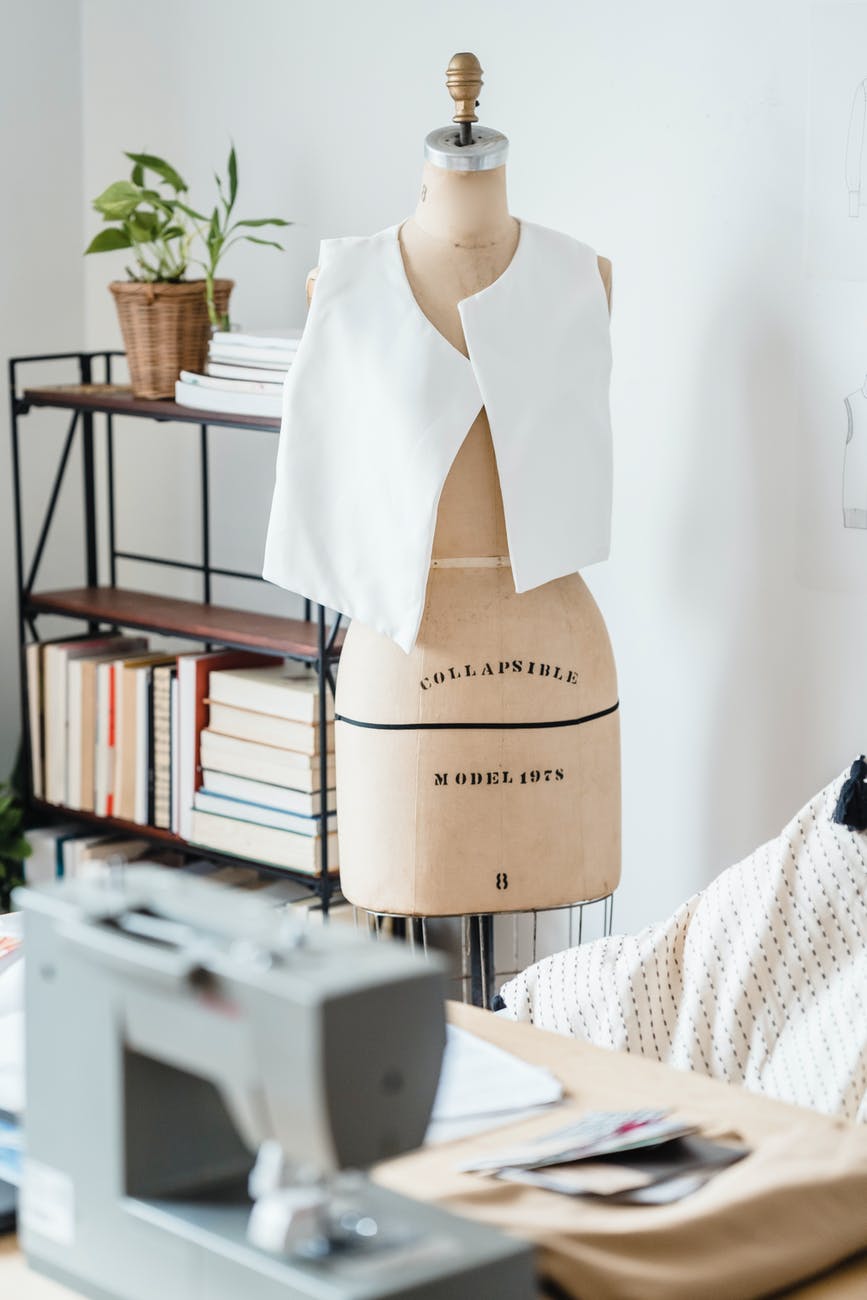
(447, 819)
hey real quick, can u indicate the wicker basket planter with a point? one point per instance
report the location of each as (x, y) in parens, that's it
(165, 330)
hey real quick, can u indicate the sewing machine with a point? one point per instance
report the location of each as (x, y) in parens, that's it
(206, 1078)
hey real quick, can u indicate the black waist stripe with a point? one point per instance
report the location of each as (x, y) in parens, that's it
(477, 726)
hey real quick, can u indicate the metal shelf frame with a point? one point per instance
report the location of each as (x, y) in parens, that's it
(85, 401)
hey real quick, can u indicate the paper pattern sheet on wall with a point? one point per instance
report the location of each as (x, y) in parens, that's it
(836, 188)
(855, 460)
(856, 182)
(832, 446)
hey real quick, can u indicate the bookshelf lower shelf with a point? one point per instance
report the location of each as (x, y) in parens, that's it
(168, 839)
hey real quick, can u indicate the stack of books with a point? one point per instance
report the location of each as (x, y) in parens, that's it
(220, 747)
(66, 849)
(260, 795)
(244, 374)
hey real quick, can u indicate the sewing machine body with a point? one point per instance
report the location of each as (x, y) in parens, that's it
(174, 1027)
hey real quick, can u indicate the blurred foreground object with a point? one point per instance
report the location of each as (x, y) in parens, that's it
(234, 1070)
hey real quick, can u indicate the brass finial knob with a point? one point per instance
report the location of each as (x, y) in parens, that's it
(464, 80)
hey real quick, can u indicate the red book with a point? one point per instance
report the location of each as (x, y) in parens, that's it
(193, 672)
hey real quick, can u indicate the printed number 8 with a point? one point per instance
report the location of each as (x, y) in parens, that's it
(502, 880)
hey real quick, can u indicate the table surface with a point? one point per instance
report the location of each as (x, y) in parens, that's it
(847, 1282)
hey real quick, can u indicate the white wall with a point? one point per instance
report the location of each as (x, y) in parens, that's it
(669, 136)
(41, 288)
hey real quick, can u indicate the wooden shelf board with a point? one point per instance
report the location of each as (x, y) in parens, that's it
(237, 628)
(167, 839)
(115, 399)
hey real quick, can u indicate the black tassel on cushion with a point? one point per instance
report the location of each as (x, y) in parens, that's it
(851, 807)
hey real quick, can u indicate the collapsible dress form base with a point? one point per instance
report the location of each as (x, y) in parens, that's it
(491, 780)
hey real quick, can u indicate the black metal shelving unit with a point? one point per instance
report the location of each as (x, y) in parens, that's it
(311, 640)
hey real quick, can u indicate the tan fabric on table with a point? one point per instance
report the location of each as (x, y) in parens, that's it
(795, 1207)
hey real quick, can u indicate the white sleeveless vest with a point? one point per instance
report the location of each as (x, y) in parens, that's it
(378, 403)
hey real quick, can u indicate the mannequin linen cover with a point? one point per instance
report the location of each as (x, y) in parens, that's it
(378, 403)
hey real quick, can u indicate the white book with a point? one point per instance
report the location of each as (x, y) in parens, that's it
(75, 721)
(142, 735)
(175, 731)
(99, 848)
(268, 730)
(278, 797)
(56, 657)
(186, 711)
(284, 691)
(103, 778)
(162, 744)
(235, 370)
(266, 405)
(33, 657)
(262, 762)
(223, 385)
(46, 857)
(222, 806)
(288, 339)
(246, 356)
(262, 843)
(108, 719)
(73, 734)
(254, 356)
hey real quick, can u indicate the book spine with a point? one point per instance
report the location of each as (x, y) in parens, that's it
(151, 752)
(111, 739)
(34, 706)
(174, 746)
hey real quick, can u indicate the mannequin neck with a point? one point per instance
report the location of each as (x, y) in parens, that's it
(464, 209)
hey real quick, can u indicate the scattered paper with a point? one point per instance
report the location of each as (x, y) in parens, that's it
(598, 1133)
(584, 1178)
(483, 1087)
(652, 1174)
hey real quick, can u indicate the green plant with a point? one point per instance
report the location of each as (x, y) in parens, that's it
(147, 220)
(162, 228)
(220, 232)
(13, 845)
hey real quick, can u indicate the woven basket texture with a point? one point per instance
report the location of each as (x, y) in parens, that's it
(165, 330)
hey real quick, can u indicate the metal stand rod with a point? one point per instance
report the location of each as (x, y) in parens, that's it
(325, 887)
(88, 467)
(109, 475)
(481, 959)
(52, 504)
(27, 757)
(206, 514)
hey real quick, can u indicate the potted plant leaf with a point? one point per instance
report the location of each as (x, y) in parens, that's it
(14, 848)
(166, 318)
